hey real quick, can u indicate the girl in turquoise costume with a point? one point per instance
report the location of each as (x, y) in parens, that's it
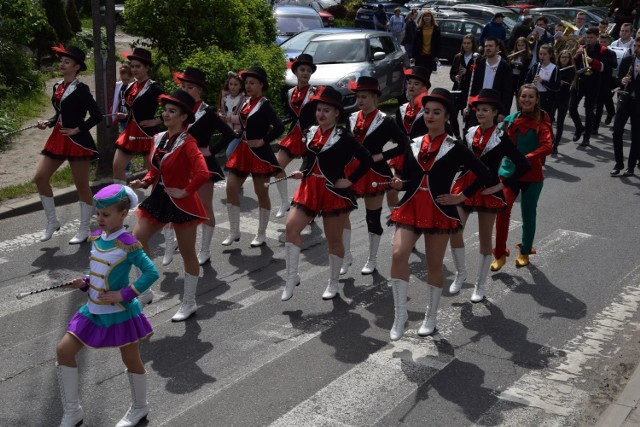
(112, 316)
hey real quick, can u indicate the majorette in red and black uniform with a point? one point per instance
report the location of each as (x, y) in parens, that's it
(72, 101)
(373, 131)
(409, 116)
(141, 98)
(324, 163)
(429, 169)
(490, 147)
(300, 111)
(259, 121)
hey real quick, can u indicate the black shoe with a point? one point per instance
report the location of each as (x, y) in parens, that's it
(594, 131)
(616, 170)
(609, 119)
(554, 150)
(585, 142)
(577, 135)
(628, 172)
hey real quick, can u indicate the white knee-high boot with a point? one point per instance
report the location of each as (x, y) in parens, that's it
(399, 288)
(335, 262)
(139, 408)
(372, 261)
(292, 258)
(86, 212)
(68, 383)
(284, 198)
(53, 224)
(188, 306)
(263, 221)
(458, 255)
(234, 225)
(170, 244)
(429, 324)
(348, 258)
(204, 256)
(483, 272)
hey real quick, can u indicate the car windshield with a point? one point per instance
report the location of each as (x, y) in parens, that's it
(336, 51)
(296, 24)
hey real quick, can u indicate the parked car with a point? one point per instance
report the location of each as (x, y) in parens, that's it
(343, 57)
(486, 13)
(294, 46)
(328, 20)
(364, 15)
(291, 20)
(453, 30)
(566, 3)
(594, 14)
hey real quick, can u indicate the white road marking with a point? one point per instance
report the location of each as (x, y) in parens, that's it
(555, 390)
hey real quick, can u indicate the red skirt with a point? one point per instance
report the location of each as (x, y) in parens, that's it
(477, 202)
(397, 163)
(61, 147)
(133, 140)
(292, 143)
(363, 187)
(421, 215)
(243, 162)
(314, 198)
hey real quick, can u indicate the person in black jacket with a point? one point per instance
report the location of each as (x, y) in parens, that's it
(430, 166)
(426, 43)
(70, 140)
(254, 155)
(460, 67)
(544, 74)
(605, 96)
(567, 75)
(325, 188)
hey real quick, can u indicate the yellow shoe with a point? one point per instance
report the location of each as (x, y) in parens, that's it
(498, 263)
(522, 260)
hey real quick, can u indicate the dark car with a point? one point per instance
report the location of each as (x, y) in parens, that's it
(364, 15)
(453, 30)
(486, 13)
(343, 57)
(594, 14)
(291, 20)
(327, 18)
(566, 3)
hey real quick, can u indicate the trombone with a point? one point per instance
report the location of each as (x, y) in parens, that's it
(511, 55)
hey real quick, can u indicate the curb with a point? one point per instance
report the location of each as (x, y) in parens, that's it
(62, 196)
(617, 413)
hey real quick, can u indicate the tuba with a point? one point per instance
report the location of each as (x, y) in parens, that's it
(569, 44)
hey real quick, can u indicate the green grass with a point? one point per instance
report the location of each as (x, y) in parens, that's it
(62, 178)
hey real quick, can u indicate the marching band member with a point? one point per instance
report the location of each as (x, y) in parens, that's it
(141, 98)
(177, 170)
(567, 76)
(302, 117)
(530, 129)
(490, 145)
(519, 60)
(607, 82)
(253, 156)
(112, 316)
(431, 163)
(70, 140)
(325, 188)
(460, 67)
(373, 129)
(544, 75)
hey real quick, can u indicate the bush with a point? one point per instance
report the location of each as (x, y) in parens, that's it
(58, 19)
(44, 40)
(176, 28)
(20, 20)
(216, 63)
(73, 17)
(338, 11)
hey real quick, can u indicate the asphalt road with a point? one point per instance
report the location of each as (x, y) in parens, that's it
(550, 346)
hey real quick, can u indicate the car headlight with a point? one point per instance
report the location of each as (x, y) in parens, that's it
(344, 82)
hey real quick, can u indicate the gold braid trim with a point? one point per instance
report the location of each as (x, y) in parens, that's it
(93, 238)
(128, 248)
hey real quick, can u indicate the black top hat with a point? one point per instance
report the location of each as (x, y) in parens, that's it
(419, 73)
(488, 96)
(442, 96)
(142, 55)
(328, 95)
(304, 59)
(183, 100)
(192, 75)
(256, 72)
(72, 52)
(365, 83)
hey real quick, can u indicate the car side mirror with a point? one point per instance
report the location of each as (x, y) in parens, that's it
(379, 55)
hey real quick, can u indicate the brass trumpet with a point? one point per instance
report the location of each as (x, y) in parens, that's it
(511, 55)
(586, 70)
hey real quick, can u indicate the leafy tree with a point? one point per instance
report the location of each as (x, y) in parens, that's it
(73, 17)
(58, 19)
(20, 20)
(176, 28)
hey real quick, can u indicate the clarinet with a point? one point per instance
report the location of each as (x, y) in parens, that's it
(624, 90)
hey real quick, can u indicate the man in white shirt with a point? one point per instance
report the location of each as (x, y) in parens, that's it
(625, 39)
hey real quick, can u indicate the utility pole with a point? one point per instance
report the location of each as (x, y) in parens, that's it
(105, 77)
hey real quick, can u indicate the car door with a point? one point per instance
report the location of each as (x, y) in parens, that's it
(382, 69)
(451, 38)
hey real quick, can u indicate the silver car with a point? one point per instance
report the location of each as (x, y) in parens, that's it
(345, 56)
